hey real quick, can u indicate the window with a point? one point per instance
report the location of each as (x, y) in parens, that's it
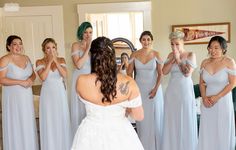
(127, 20)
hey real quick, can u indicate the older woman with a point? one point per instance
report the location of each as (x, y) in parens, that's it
(81, 59)
(180, 122)
(217, 79)
(17, 76)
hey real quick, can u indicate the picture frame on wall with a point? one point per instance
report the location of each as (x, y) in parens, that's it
(202, 33)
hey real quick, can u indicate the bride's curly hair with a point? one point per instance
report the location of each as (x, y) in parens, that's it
(103, 64)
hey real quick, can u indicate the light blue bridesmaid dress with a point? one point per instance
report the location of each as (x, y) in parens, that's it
(150, 129)
(19, 127)
(77, 107)
(217, 125)
(180, 117)
(54, 116)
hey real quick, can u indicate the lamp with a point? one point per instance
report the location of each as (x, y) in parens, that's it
(11, 7)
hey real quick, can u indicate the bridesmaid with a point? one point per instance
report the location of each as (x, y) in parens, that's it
(180, 119)
(124, 63)
(81, 59)
(55, 129)
(17, 77)
(148, 64)
(217, 79)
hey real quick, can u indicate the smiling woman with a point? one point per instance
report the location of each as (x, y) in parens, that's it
(217, 79)
(147, 65)
(16, 78)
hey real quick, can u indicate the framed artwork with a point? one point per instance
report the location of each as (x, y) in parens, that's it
(202, 33)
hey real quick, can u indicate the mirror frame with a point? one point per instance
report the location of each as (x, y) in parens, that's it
(130, 44)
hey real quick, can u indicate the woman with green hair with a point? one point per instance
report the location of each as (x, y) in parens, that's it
(81, 59)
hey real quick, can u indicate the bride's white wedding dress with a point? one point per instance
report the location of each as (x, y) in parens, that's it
(107, 128)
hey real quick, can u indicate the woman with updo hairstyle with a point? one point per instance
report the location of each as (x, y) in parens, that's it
(54, 114)
(217, 79)
(81, 59)
(106, 126)
(148, 64)
(180, 117)
(18, 117)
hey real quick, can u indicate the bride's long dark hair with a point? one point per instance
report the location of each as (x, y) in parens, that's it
(103, 64)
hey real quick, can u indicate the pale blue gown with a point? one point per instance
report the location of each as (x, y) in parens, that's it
(19, 126)
(180, 117)
(77, 107)
(55, 126)
(150, 128)
(217, 125)
(107, 127)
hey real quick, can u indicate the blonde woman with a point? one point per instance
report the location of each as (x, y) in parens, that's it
(55, 128)
(180, 118)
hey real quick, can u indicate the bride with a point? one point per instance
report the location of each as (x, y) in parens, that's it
(108, 97)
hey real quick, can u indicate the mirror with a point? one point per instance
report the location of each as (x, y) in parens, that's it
(122, 45)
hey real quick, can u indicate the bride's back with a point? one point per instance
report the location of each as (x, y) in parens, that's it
(89, 89)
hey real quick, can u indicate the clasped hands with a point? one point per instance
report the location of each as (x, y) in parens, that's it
(26, 83)
(210, 101)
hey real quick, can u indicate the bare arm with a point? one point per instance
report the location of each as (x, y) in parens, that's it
(4, 80)
(61, 69)
(130, 69)
(168, 65)
(159, 77)
(43, 73)
(33, 76)
(137, 112)
(80, 60)
(187, 68)
(203, 86)
(232, 82)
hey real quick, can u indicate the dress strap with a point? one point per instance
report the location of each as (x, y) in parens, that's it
(135, 102)
(77, 52)
(192, 64)
(231, 71)
(201, 71)
(3, 68)
(39, 67)
(63, 65)
(166, 61)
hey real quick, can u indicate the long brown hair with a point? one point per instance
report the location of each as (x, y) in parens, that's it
(103, 64)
